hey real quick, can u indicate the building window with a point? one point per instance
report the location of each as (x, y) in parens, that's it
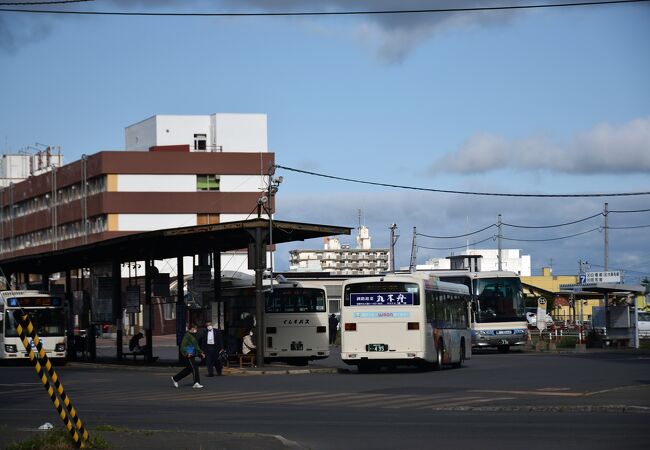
(200, 142)
(207, 182)
(207, 219)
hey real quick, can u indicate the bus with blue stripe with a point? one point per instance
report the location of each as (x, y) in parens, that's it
(398, 320)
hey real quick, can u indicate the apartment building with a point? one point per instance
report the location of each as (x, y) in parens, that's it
(172, 177)
(341, 259)
(511, 260)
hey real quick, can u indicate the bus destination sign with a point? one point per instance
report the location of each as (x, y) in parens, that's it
(27, 302)
(381, 299)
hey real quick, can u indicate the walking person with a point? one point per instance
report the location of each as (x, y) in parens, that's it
(211, 341)
(189, 349)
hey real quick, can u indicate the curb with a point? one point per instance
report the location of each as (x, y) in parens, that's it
(228, 371)
(535, 409)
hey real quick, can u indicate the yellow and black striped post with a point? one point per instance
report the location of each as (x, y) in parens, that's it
(25, 324)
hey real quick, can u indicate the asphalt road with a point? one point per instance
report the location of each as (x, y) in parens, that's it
(517, 400)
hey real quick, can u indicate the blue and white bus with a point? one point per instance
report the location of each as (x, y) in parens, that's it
(47, 316)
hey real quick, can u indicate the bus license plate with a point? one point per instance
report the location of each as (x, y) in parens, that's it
(504, 332)
(377, 347)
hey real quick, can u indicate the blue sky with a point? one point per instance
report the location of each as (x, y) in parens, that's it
(536, 101)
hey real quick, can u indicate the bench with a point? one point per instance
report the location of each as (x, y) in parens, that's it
(242, 360)
(134, 354)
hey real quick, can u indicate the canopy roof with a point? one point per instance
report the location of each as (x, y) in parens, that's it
(170, 243)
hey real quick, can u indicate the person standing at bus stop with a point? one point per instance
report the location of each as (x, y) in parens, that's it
(211, 342)
(333, 324)
(189, 350)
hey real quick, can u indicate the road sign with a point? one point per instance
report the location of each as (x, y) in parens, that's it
(583, 279)
(611, 276)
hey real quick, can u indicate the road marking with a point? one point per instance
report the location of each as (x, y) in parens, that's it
(471, 402)
(550, 394)
(459, 401)
(422, 402)
(284, 398)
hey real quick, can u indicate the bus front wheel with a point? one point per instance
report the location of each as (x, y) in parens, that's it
(461, 354)
(437, 364)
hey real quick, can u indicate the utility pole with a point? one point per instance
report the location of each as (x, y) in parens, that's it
(393, 240)
(413, 253)
(605, 213)
(500, 237)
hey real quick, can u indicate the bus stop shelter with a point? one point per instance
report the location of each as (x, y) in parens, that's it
(255, 235)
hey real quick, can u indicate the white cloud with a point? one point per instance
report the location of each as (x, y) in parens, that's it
(450, 215)
(605, 149)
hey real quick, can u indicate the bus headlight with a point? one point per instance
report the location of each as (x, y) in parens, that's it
(59, 347)
(11, 348)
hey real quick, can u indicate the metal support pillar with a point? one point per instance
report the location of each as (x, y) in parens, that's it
(148, 316)
(180, 305)
(69, 319)
(259, 261)
(217, 306)
(116, 273)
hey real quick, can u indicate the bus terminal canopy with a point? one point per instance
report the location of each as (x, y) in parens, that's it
(170, 243)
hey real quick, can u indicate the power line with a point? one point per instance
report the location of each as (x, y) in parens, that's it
(446, 191)
(459, 236)
(329, 13)
(628, 211)
(552, 239)
(54, 2)
(628, 228)
(472, 244)
(552, 226)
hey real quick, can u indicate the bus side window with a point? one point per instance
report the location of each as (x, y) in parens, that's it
(430, 308)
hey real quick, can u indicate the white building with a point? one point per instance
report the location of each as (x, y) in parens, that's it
(216, 132)
(220, 133)
(340, 259)
(15, 168)
(511, 261)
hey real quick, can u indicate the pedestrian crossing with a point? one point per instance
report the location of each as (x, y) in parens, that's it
(293, 398)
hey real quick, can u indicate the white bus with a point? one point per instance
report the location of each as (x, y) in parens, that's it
(296, 323)
(498, 313)
(47, 316)
(406, 319)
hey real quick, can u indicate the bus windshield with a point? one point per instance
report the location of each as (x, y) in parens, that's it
(46, 322)
(499, 300)
(295, 300)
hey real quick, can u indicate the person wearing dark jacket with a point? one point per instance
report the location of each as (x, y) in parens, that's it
(211, 342)
(189, 350)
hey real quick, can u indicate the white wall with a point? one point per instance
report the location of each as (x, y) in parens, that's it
(237, 217)
(150, 222)
(241, 183)
(141, 135)
(156, 183)
(175, 130)
(233, 132)
(241, 132)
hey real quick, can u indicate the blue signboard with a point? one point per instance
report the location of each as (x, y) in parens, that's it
(381, 299)
(382, 315)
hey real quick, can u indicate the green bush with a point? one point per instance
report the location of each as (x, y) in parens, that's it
(56, 439)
